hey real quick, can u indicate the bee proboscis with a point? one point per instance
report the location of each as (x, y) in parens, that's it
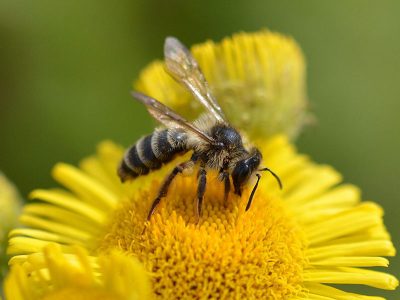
(214, 143)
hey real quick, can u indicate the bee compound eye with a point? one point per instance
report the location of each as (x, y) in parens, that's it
(241, 172)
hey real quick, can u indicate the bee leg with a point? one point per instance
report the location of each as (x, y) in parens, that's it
(227, 185)
(164, 188)
(202, 181)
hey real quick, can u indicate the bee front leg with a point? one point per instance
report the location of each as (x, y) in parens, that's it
(227, 184)
(201, 188)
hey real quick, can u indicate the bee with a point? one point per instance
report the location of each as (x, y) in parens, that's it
(214, 143)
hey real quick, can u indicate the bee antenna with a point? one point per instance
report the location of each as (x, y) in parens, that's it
(273, 174)
(253, 192)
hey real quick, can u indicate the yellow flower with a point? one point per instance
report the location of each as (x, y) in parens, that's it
(258, 79)
(52, 274)
(290, 245)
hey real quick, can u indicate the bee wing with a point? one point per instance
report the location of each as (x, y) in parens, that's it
(182, 66)
(168, 117)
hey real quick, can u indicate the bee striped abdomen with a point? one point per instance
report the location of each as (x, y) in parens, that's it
(149, 153)
(164, 146)
(146, 152)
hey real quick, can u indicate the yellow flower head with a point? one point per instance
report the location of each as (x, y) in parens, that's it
(291, 244)
(258, 79)
(53, 275)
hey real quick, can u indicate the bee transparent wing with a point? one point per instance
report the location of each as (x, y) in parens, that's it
(168, 117)
(184, 68)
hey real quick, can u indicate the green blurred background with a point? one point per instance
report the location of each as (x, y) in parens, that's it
(66, 68)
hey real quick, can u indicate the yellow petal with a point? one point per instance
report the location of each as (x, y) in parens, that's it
(52, 274)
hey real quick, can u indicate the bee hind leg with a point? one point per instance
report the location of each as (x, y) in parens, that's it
(167, 182)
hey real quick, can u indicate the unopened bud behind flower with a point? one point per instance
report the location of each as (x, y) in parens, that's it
(10, 205)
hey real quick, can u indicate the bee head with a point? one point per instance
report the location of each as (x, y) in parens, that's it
(244, 169)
